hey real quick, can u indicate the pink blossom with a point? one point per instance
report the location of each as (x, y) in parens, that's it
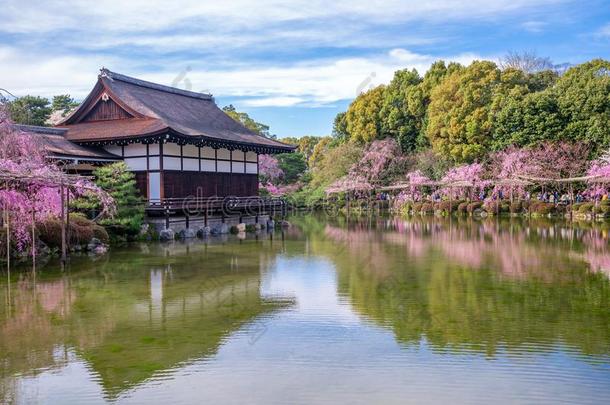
(380, 160)
(269, 168)
(461, 180)
(600, 170)
(22, 156)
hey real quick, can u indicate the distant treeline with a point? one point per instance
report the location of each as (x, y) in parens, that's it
(465, 112)
(457, 114)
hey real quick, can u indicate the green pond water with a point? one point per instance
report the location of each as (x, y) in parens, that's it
(382, 310)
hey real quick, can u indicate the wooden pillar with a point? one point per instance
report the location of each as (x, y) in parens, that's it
(347, 202)
(63, 224)
(34, 239)
(68, 215)
(571, 201)
(450, 200)
(8, 241)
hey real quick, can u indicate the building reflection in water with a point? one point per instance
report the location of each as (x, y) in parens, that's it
(134, 315)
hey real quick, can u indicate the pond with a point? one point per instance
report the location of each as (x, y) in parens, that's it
(381, 310)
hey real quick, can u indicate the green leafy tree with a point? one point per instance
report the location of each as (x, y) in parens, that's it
(304, 144)
(402, 111)
(244, 119)
(462, 109)
(63, 103)
(319, 150)
(583, 95)
(293, 165)
(421, 98)
(30, 110)
(529, 120)
(363, 117)
(340, 127)
(543, 80)
(120, 183)
(575, 107)
(331, 163)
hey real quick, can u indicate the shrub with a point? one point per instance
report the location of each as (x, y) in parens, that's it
(427, 208)
(462, 207)
(417, 206)
(79, 232)
(586, 208)
(473, 206)
(561, 208)
(250, 228)
(516, 207)
(543, 208)
(447, 207)
(604, 208)
(405, 209)
(496, 206)
(49, 232)
(100, 233)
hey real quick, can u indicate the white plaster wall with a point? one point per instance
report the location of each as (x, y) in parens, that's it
(208, 165)
(136, 164)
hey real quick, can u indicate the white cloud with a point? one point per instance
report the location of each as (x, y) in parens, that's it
(314, 82)
(146, 15)
(534, 26)
(273, 102)
(58, 46)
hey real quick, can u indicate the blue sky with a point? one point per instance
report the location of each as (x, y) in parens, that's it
(292, 65)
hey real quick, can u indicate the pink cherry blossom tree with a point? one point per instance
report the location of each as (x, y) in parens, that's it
(599, 170)
(460, 181)
(269, 169)
(381, 162)
(507, 166)
(30, 183)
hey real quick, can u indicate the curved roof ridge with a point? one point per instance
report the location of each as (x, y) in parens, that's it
(144, 83)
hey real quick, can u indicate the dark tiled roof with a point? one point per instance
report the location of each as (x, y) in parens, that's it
(185, 113)
(103, 130)
(58, 147)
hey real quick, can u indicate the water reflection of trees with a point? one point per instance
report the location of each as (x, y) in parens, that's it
(134, 315)
(477, 285)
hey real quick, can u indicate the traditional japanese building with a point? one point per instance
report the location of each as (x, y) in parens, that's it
(177, 142)
(73, 157)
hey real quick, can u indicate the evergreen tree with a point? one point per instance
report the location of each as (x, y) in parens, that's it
(120, 183)
(63, 103)
(30, 110)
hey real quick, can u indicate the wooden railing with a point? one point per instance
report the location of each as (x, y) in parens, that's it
(223, 207)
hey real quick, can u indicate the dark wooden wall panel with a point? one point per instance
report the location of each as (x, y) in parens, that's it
(106, 110)
(184, 184)
(141, 183)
